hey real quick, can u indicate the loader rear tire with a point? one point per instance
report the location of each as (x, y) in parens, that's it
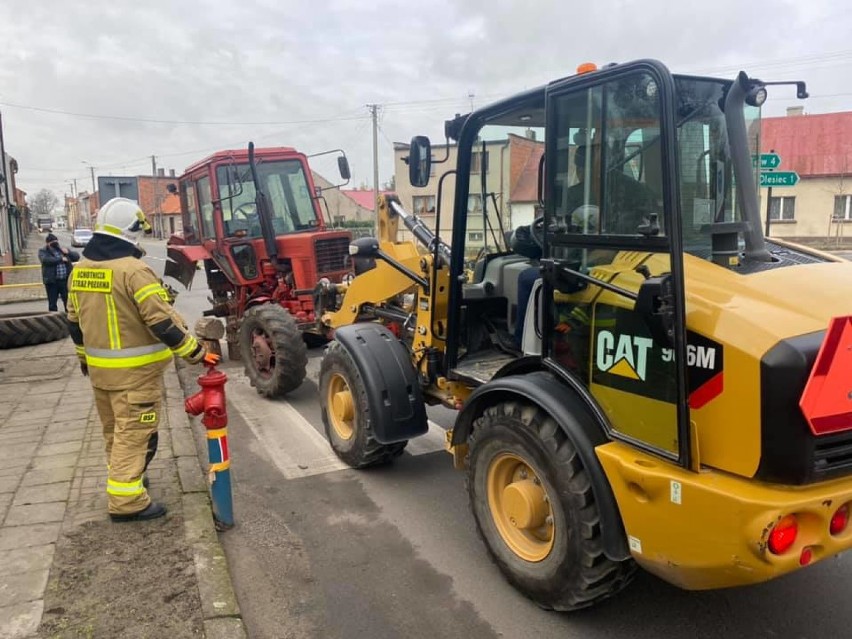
(273, 350)
(346, 413)
(19, 329)
(536, 512)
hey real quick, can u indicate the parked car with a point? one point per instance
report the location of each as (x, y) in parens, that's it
(81, 237)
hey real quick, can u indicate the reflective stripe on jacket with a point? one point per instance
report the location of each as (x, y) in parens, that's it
(115, 302)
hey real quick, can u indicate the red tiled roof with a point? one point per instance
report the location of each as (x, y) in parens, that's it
(364, 199)
(170, 205)
(526, 188)
(818, 145)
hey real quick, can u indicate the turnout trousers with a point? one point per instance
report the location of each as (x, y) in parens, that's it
(130, 419)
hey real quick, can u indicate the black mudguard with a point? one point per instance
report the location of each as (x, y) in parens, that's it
(397, 411)
(575, 419)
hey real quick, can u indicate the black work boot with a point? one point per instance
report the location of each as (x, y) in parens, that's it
(154, 510)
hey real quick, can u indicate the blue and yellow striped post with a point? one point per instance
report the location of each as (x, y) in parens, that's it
(220, 476)
(210, 400)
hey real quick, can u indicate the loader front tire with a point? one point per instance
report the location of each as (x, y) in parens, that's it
(346, 413)
(535, 509)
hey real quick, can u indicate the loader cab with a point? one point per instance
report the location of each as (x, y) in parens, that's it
(633, 167)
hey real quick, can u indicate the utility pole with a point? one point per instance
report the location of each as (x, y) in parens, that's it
(156, 204)
(768, 199)
(94, 188)
(374, 109)
(3, 168)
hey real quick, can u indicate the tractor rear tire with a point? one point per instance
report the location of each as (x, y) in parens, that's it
(273, 350)
(535, 510)
(18, 329)
(346, 412)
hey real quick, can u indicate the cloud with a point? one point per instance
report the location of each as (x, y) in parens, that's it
(276, 63)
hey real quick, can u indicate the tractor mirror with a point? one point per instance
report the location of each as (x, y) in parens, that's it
(419, 161)
(343, 167)
(364, 247)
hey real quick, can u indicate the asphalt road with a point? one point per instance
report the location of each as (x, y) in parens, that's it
(320, 550)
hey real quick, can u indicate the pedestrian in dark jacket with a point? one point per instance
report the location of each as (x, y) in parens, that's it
(55, 268)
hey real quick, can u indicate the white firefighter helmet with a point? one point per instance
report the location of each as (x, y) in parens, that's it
(122, 218)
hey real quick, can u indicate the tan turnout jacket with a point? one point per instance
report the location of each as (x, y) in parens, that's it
(116, 303)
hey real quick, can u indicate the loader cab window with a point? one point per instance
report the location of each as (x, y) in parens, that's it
(608, 172)
(708, 189)
(287, 194)
(504, 163)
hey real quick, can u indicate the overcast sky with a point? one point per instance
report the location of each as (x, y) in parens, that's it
(179, 80)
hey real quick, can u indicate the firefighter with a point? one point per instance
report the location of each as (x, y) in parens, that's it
(125, 332)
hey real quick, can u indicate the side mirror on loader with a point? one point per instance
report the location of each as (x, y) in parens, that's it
(419, 161)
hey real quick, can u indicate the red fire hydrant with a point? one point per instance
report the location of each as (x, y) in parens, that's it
(210, 401)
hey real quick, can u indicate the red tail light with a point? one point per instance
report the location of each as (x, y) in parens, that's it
(783, 535)
(839, 520)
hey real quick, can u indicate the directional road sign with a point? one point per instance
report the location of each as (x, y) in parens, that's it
(779, 178)
(770, 160)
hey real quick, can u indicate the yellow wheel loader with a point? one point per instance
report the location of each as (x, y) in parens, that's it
(641, 377)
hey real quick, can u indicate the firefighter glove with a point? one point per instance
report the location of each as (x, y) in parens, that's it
(211, 359)
(196, 355)
(84, 368)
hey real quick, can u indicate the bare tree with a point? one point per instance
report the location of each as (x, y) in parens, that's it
(43, 203)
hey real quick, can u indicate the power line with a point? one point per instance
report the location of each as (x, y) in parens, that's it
(122, 118)
(833, 56)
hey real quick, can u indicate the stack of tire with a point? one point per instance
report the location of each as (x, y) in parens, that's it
(28, 329)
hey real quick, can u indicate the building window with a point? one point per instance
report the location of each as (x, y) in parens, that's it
(842, 208)
(782, 209)
(476, 162)
(474, 203)
(423, 204)
(475, 237)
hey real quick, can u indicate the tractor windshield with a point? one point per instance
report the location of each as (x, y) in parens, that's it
(287, 192)
(707, 179)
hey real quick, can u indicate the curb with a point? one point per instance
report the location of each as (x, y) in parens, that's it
(220, 609)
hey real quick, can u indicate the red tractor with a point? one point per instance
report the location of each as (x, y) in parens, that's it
(254, 219)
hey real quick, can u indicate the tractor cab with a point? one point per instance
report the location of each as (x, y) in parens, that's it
(222, 221)
(254, 219)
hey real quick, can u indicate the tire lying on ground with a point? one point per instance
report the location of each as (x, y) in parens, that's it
(27, 329)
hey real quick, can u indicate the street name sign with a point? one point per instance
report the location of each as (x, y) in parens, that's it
(779, 178)
(770, 160)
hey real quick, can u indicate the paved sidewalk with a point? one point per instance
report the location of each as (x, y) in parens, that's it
(61, 558)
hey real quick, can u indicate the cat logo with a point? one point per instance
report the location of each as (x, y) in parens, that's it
(623, 355)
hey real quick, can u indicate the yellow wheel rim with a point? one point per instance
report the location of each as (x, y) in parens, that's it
(520, 507)
(341, 408)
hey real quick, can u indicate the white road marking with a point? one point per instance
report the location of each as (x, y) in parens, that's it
(294, 445)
